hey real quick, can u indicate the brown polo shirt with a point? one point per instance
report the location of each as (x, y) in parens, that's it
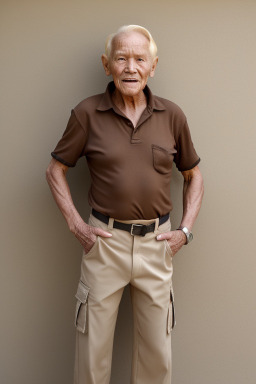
(130, 166)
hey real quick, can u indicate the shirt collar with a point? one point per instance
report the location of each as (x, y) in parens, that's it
(106, 102)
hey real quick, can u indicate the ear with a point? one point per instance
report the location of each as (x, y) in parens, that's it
(153, 68)
(105, 63)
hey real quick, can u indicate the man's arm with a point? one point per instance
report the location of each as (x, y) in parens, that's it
(56, 178)
(193, 191)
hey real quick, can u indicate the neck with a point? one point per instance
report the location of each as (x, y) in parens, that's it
(131, 103)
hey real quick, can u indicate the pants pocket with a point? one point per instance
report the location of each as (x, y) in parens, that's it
(168, 248)
(171, 314)
(92, 248)
(81, 307)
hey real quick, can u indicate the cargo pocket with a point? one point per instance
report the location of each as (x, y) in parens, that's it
(163, 158)
(81, 307)
(171, 314)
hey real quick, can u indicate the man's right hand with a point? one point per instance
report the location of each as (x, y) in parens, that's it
(56, 177)
(87, 235)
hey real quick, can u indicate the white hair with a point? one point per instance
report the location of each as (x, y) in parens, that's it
(127, 29)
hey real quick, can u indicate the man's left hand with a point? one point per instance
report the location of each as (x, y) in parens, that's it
(176, 239)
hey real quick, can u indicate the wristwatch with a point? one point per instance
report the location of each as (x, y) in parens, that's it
(189, 235)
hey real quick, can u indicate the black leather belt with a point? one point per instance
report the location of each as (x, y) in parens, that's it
(133, 229)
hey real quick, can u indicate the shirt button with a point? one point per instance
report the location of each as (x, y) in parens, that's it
(129, 123)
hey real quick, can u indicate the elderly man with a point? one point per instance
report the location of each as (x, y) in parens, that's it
(130, 139)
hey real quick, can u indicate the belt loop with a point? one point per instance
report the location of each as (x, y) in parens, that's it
(156, 224)
(110, 223)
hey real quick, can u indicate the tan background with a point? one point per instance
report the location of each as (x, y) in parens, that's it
(50, 60)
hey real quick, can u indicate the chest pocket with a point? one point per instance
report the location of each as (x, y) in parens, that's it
(163, 158)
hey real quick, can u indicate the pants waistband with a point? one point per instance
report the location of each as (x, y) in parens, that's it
(134, 228)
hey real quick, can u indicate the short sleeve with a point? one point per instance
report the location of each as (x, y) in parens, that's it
(72, 144)
(186, 157)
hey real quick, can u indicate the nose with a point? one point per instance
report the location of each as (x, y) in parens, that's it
(130, 66)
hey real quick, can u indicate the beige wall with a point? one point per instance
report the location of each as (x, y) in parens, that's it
(50, 60)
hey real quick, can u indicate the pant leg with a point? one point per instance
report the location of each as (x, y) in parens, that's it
(151, 293)
(94, 347)
(105, 271)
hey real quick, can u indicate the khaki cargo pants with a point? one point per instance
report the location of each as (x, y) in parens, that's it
(111, 264)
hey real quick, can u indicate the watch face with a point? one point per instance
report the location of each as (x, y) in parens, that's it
(190, 237)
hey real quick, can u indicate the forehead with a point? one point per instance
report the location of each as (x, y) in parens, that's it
(130, 41)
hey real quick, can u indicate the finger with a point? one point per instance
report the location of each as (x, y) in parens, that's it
(163, 236)
(101, 232)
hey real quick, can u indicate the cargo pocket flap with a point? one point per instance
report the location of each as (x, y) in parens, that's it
(81, 307)
(82, 292)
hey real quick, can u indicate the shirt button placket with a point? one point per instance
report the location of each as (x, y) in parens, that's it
(135, 139)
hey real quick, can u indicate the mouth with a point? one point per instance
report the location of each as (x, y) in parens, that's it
(130, 81)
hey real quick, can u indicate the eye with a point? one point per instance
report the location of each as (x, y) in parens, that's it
(140, 59)
(120, 59)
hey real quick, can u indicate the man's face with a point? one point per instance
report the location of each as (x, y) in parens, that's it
(130, 63)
